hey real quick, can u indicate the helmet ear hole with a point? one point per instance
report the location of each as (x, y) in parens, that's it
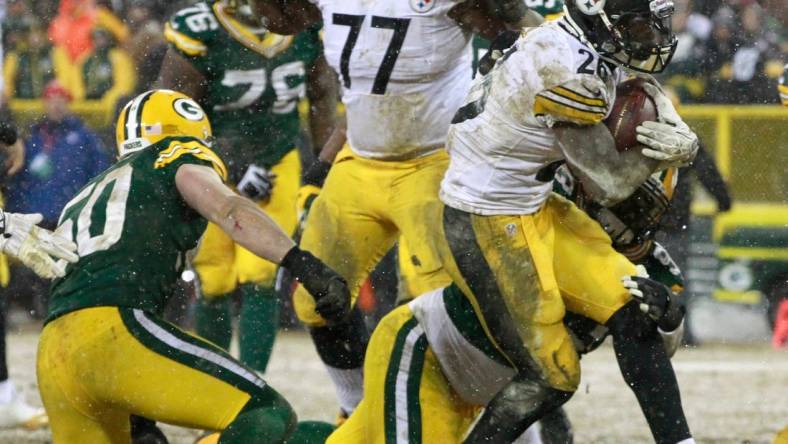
(590, 7)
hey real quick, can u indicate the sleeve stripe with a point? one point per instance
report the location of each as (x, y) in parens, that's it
(577, 97)
(198, 150)
(188, 45)
(545, 106)
(551, 95)
(570, 103)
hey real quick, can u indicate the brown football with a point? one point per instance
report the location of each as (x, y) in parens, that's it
(631, 108)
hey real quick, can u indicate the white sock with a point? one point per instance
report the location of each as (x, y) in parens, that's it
(7, 392)
(687, 441)
(349, 385)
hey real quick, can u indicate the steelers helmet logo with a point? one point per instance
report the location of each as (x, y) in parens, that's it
(189, 109)
(422, 5)
(590, 7)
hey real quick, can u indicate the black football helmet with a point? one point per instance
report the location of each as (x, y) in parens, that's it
(634, 33)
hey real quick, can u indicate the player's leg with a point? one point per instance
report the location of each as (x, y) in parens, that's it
(589, 274)
(503, 264)
(217, 278)
(406, 396)
(416, 210)
(259, 318)
(122, 360)
(346, 228)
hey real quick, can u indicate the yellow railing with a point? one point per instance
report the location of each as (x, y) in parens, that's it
(750, 145)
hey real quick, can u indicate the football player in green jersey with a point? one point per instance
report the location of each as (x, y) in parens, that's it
(105, 353)
(249, 81)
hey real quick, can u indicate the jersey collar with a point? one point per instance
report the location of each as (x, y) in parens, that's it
(269, 45)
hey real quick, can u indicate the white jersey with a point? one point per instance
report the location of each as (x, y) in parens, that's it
(473, 375)
(502, 138)
(405, 67)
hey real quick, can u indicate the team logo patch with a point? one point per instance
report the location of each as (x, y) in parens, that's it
(422, 5)
(189, 109)
(590, 7)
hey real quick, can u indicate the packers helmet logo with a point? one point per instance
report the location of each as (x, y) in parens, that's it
(189, 109)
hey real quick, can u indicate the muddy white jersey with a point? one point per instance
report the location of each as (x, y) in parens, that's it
(501, 142)
(471, 373)
(405, 69)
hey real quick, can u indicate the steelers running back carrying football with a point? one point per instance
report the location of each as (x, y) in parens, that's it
(105, 353)
(522, 255)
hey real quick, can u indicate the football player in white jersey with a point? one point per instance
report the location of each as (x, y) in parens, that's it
(522, 255)
(405, 69)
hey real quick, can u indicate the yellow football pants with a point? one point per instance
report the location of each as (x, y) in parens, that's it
(406, 396)
(222, 265)
(515, 269)
(363, 207)
(97, 366)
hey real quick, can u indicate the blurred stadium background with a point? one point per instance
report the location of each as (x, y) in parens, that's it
(725, 74)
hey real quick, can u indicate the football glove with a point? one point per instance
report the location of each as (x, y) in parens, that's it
(329, 289)
(34, 246)
(257, 183)
(669, 139)
(656, 300)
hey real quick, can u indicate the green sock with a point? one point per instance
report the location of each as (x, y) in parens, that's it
(212, 320)
(258, 325)
(269, 424)
(310, 432)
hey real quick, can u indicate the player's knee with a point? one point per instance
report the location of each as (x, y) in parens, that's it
(266, 417)
(523, 397)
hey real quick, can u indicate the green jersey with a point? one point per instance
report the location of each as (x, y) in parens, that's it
(132, 229)
(254, 81)
(549, 9)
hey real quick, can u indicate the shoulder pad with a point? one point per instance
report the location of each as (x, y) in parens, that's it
(191, 29)
(190, 149)
(571, 91)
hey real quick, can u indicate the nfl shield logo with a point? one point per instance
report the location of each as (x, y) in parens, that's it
(422, 5)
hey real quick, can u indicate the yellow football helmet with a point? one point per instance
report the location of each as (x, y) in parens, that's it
(156, 114)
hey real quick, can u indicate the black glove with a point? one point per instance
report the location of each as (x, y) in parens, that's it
(657, 301)
(330, 290)
(256, 183)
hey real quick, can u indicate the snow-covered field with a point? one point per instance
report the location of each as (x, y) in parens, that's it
(731, 393)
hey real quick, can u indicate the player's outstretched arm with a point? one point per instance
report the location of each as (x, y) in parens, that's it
(203, 190)
(177, 74)
(607, 175)
(34, 246)
(287, 17)
(322, 90)
(488, 18)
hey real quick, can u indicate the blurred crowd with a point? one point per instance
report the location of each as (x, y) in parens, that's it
(729, 51)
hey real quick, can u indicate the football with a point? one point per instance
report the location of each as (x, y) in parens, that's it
(631, 108)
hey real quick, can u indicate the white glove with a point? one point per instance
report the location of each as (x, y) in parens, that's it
(34, 246)
(669, 140)
(256, 183)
